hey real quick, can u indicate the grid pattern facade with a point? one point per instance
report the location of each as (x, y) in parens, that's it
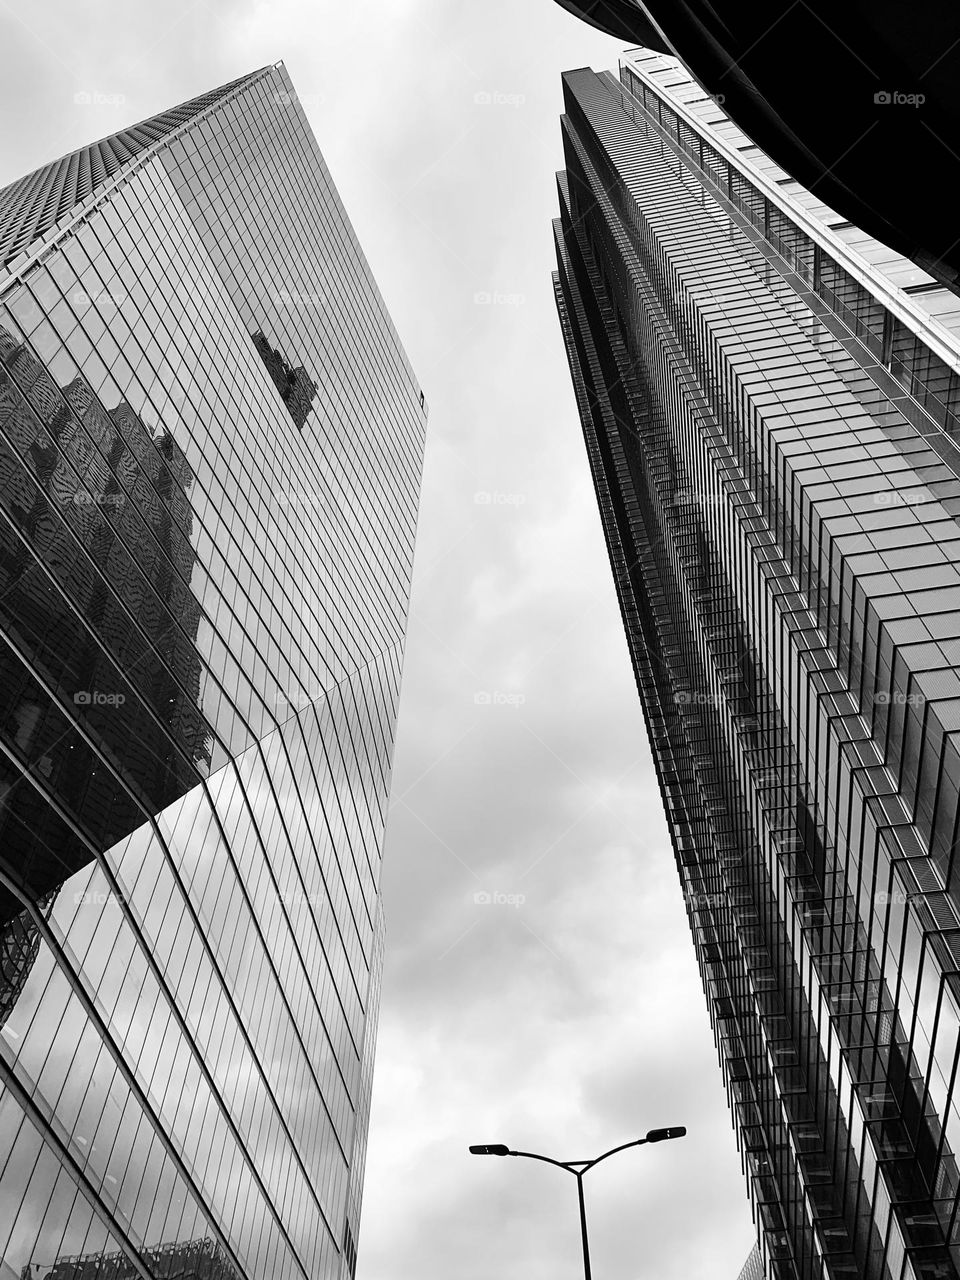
(780, 504)
(33, 205)
(202, 612)
(910, 357)
(752, 1269)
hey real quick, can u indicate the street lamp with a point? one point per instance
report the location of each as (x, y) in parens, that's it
(579, 1167)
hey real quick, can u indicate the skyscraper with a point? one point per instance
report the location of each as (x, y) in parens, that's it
(752, 1269)
(770, 404)
(210, 453)
(892, 73)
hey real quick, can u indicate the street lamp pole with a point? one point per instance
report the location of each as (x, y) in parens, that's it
(583, 1227)
(578, 1168)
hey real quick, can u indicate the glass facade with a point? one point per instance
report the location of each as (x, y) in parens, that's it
(210, 453)
(769, 402)
(752, 1269)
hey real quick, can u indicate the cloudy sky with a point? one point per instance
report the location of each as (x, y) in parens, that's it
(540, 986)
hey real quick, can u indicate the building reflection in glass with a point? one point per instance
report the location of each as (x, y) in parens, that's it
(19, 944)
(191, 1260)
(95, 562)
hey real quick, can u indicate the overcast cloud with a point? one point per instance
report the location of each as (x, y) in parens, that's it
(564, 1015)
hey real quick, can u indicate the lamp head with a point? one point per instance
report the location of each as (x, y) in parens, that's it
(661, 1135)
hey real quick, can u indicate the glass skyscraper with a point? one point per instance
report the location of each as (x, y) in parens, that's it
(771, 407)
(752, 1269)
(210, 454)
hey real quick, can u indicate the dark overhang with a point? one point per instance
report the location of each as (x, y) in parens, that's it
(856, 99)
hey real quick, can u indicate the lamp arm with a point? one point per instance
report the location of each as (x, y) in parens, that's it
(637, 1142)
(531, 1155)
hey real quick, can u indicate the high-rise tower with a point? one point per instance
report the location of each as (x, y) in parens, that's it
(771, 406)
(210, 452)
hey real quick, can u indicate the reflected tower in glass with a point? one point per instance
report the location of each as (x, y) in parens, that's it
(210, 454)
(771, 406)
